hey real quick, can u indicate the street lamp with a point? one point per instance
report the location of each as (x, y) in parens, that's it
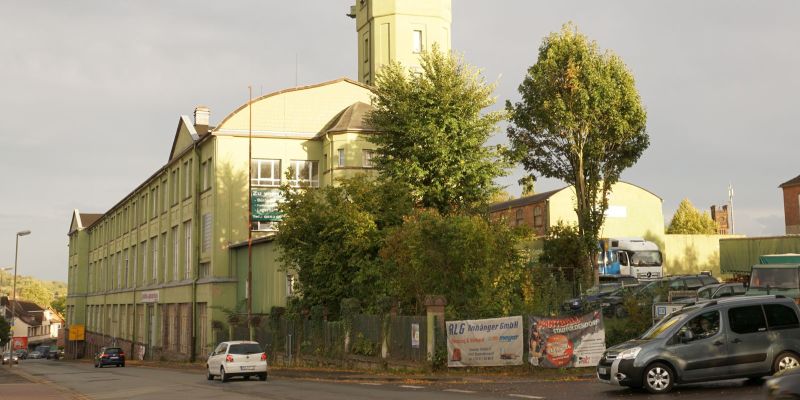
(14, 290)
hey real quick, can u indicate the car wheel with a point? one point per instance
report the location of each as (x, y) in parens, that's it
(95, 365)
(123, 365)
(619, 311)
(658, 378)
(209, 376)
(222, 375)
(784, 361)
(246, 377)
(262, 377)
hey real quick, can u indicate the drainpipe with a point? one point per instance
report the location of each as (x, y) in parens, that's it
(197, 218)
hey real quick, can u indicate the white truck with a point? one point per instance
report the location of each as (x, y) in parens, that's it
(631, 256)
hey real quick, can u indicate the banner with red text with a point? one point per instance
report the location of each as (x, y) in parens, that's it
(575, 341)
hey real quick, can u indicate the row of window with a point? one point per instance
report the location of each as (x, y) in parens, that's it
(161, 196)
(538, 217)
(302, 173)
(148, 261)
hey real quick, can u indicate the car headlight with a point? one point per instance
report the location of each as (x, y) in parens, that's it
(629, 354)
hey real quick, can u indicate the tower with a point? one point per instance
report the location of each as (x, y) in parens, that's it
(720, 216)
(398, 30)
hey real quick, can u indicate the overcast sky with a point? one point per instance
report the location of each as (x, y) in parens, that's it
(91, 92)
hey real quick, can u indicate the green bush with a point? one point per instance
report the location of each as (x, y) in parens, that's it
(638, 320)
(363, 346)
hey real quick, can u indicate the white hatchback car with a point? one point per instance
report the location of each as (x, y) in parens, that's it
(237, 358)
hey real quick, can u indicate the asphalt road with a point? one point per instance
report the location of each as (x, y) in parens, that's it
(152, 383)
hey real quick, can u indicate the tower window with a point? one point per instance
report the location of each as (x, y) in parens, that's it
(341, 157)
(366, 49)
(416, 41)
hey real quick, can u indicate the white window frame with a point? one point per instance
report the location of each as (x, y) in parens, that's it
(296, 180)
(256, 179)
(417, 45)
(367, 156)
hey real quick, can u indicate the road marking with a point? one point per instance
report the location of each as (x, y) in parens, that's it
(525, 396)
(412, 387)
(370, 383)
(458, 391)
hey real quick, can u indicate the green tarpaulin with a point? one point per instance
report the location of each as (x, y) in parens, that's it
(740, 254)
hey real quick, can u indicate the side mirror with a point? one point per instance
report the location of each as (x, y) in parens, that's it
(686, 336)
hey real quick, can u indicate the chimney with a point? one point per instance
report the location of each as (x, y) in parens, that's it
(202, 115)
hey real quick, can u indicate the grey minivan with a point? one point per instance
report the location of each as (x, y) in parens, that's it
(738, 337)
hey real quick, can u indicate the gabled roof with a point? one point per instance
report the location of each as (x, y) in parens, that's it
(791, 182)
(179, 143)
(350, 119)
(82, 220)
(523, 201)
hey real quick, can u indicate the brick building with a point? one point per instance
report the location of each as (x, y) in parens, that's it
(791, 205)
(721, 217)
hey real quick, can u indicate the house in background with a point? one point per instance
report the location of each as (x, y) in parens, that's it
(791, 205)
(33, 325)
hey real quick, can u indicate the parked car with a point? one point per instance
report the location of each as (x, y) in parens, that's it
(785, 385)
(21, 354)
(594, 295)
(237, 358)
(751, 337)
(9, 358)
(53, 353)
(109, 356)
(613, 305)
(35, 355)
(716, 291)
(657, 291)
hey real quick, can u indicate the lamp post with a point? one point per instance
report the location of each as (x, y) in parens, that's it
(14, 290)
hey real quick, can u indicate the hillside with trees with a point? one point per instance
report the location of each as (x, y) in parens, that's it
(43, 293)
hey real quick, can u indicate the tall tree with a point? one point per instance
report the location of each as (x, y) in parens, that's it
(434, 132)
(689, 220)
(5, 330)
(580, 120)
(331, 236)
(476, 264)
(36, 292)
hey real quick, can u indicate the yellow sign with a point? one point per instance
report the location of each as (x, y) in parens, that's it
(77, 332)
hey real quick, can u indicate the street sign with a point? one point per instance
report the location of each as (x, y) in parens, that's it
(77, 332)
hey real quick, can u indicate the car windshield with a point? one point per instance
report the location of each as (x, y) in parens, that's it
(245, 348)
(645, 258)
(775, 278)
(658, 329)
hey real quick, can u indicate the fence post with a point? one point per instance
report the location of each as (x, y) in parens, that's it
(434, 311)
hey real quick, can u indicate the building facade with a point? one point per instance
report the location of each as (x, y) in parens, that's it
(153, 273)
(398, 31)
(32, 326)
(632, 211)
(791, 205)
(159, 271)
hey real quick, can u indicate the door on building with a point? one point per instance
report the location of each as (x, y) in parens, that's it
(150, 332)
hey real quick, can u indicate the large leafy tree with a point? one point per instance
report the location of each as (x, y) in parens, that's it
(580, 120)
(36, 292)
(689, 220)
(476, 264)
(434, 131)
(331, 236)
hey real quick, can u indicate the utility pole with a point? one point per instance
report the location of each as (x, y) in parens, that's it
(14, 295)
(249, 287)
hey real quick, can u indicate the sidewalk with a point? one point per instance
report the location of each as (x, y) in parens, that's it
(16, 384)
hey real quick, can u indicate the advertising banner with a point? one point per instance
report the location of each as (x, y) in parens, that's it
(485, 342)
(264, 204)
(19, 343)
(575, 341)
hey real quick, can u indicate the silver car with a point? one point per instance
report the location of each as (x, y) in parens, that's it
(9, 358)
(736, 337)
